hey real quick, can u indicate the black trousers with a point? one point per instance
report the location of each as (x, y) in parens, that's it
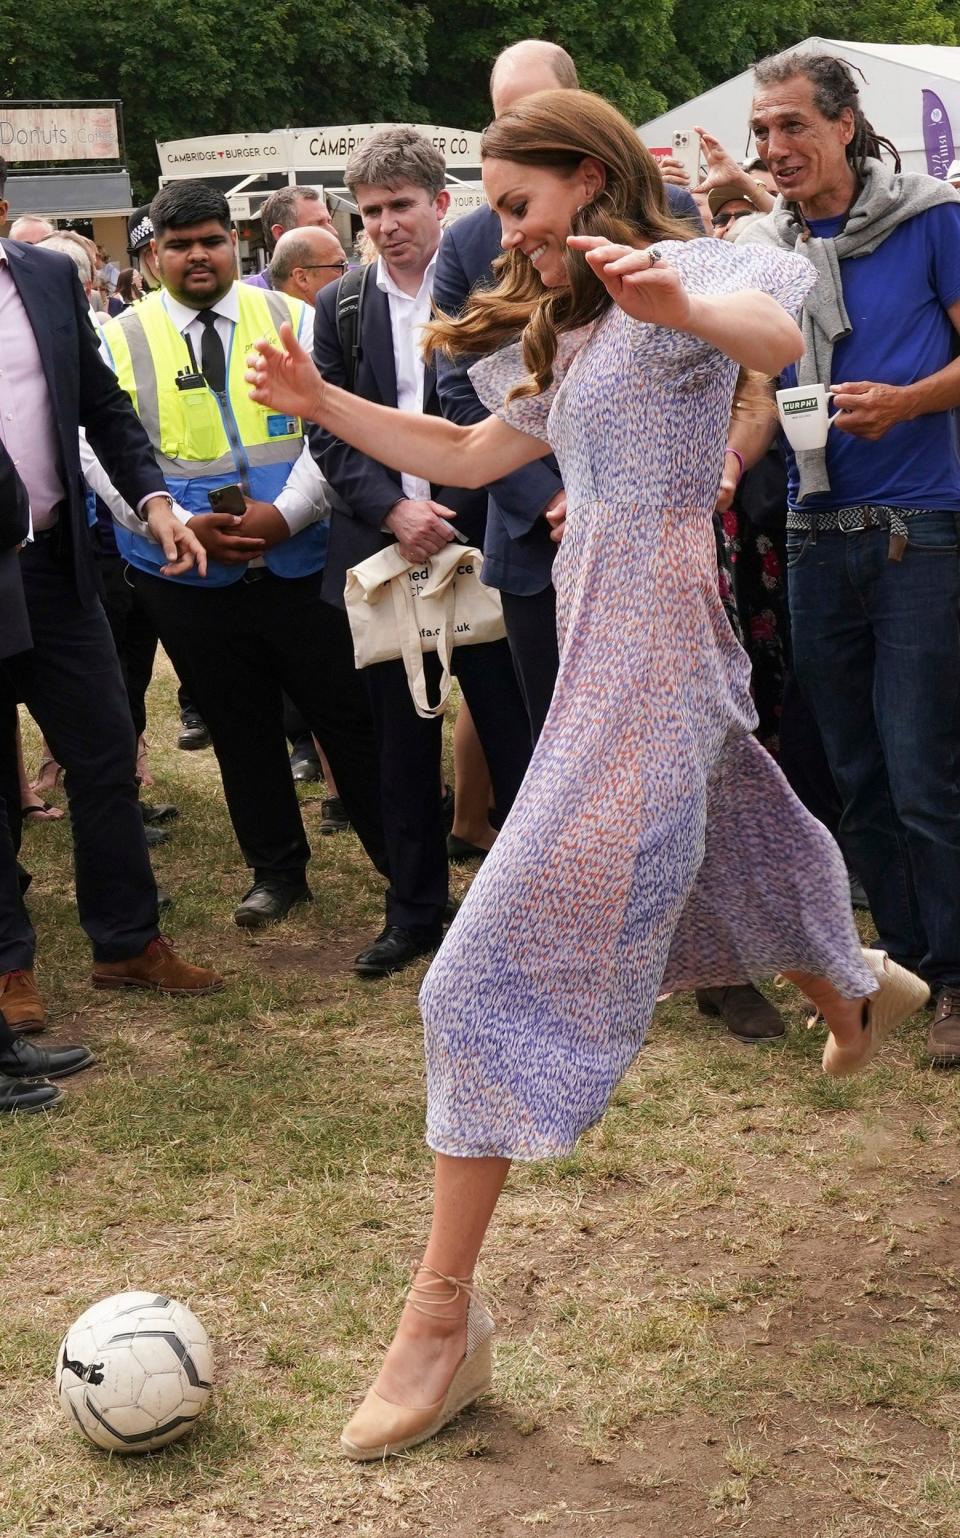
(410, 760)
(531, 621)
(72, 685)
(17, 939)
(237, 650)
(134, 635)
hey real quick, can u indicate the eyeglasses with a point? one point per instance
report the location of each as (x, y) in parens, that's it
(720, 220)
(329, 266)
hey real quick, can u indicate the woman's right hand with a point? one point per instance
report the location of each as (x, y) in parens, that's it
(285, 379)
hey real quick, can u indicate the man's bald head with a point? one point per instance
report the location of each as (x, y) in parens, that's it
(31, 229)
(529, 66)
(306, 260)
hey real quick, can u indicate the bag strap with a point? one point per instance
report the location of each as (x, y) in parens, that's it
(411, 648)
(351, 289)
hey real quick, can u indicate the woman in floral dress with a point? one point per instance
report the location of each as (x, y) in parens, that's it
(695, 864)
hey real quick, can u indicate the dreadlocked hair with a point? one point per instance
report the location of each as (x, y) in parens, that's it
(834, 89)
(557, 130)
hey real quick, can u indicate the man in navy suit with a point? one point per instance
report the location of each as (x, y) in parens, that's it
(52, 381)
(526, 509)
(24, 1068)
(397, 178)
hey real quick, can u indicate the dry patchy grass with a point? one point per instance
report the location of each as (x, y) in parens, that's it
(732, 1310)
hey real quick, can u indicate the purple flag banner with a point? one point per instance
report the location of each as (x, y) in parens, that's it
(937, 135)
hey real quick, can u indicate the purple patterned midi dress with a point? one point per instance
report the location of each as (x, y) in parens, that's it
(654, 844)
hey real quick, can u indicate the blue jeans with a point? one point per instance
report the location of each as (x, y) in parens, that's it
(877, 654)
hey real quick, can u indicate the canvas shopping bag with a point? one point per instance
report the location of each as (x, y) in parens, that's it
(400, 609)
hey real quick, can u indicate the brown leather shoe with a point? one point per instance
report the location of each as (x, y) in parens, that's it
(744, 1011)
(157, 967)
(943, 1042)
(20, 1003)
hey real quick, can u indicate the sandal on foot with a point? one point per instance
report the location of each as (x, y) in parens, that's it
(45, 812)
(899, 995)
(379, 1428)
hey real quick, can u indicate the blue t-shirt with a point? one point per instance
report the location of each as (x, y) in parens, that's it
(897, 300)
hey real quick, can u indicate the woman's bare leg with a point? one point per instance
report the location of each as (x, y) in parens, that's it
(844, 1017)
(473, 792)
(30, 803)
(427, 1348)
(332, 791)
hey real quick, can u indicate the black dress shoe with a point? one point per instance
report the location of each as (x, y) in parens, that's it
(193, 732)
(334, 817)
(15, 1096)
(164, 812)
(394, 949)
(22, 1060)
(154, 835)
(304, 763)
(267, 902)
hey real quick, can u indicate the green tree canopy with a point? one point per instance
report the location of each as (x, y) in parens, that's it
(216, 66)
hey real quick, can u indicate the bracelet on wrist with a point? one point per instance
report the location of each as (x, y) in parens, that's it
(739, 458)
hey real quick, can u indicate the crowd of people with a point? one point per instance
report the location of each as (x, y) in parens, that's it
(577, 380)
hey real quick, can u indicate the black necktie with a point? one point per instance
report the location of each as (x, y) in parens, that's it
(213, 364)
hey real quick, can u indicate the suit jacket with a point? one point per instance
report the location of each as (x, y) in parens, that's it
(14, 526)
(366, 490)
(84, 393)
(518, 552)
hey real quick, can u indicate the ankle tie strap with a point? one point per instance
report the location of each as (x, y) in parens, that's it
(437, 1292)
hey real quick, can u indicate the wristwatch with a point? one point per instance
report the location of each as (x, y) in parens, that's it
(142, 507)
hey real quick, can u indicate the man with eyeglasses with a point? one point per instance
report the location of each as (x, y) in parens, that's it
(305, 261)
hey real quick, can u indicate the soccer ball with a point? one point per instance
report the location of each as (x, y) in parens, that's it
(134, 1372)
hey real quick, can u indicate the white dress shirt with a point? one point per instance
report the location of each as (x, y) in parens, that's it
(27, 422)
(409, 313)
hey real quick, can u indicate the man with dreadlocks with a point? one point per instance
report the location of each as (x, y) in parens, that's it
(872, 524)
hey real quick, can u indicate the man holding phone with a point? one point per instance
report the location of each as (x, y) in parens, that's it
(257, 626)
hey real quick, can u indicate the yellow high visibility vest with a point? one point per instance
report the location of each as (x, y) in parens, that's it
(192, 431)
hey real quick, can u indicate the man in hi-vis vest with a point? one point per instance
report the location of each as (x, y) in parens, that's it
(256, 625)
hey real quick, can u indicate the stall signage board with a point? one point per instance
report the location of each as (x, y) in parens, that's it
(329, 149)
(224, 152)
(31, 135)
(299, 149)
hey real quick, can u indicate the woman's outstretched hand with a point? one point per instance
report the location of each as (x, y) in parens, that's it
(286, 380)
(645, 287)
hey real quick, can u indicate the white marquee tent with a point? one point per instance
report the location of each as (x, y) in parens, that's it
(911, 95)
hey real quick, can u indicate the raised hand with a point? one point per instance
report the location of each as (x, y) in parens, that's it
(639, 281)
(285, 379)
(722, 169)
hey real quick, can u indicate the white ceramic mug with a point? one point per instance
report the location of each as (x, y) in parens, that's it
(804, 416)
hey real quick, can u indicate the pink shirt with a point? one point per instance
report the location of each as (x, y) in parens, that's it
(27, 424)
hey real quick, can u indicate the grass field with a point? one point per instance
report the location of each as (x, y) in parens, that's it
(733, 1310)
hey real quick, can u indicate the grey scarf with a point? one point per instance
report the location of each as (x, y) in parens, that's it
(886, 199)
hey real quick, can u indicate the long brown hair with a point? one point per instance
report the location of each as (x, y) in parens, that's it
(557, 130)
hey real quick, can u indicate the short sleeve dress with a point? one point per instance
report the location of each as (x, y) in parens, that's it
(654, 844)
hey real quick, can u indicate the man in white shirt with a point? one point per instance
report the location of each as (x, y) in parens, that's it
(257, 626)
(397, 178)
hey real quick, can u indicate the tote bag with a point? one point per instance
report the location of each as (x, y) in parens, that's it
(400, 609)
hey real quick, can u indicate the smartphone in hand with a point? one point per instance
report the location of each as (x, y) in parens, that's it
(228, 499)
(686, 150)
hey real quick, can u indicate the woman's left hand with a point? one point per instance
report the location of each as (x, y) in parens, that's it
(285, 378)
(640, 282)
